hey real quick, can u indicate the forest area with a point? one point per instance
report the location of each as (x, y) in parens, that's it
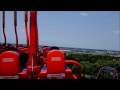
(91, 64)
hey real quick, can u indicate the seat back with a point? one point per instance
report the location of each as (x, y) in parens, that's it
(55, 67)
(45, 52)
(26, 50)
(9, 65)
(20, 49)
(55, 64)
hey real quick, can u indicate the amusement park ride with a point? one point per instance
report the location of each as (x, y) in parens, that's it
(107, 72)
(53, 64)
(50, 65)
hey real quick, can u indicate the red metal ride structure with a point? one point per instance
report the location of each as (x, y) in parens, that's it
(55, 66)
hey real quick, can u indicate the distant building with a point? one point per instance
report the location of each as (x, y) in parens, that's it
(66, 50)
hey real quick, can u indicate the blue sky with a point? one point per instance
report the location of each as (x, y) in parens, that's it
(79, 29)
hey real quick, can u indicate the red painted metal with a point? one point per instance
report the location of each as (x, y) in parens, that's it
(26, 27)
(55, 58)
(15, 27)
(33, 38)
(56, 69)
(55, 62)
(4, 28)
(45, 51)
(9, 63)
(78, 65)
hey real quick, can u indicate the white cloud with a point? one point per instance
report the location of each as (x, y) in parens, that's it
(116, 32)
(84, 14)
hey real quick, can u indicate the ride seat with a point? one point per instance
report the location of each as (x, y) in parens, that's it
(26, 50)
(45, 52)
(20, 49)
(9, 65)
(55, 67)
(43, 58)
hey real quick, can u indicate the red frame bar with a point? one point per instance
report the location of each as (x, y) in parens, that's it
(26, 27)
(15, 24)
(4, 28)
(78, 65)
(33, 38)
